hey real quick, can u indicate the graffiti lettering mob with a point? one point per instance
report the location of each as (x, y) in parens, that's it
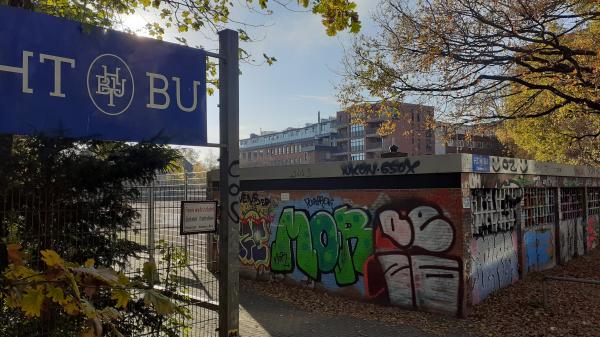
(339, 242)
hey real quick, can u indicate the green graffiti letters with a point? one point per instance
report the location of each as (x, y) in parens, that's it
(325, 243)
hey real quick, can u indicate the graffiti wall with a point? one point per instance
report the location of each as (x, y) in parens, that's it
(591, 230)
(539, 248)
(334, 242)
(571, 225)
(494, 245)
(424, 249)
(538, 221)
(256, 216)
(412, 265)
(399, 247)
(494, 263)
(571, 239)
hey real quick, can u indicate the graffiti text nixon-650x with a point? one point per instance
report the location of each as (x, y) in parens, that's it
(58, 77)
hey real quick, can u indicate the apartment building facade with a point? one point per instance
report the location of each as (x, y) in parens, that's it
(413, 134)
(339, 139)
(306, 145)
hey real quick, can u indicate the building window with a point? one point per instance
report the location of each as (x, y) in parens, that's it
(357, 130)
(357, 156)
(357, 144)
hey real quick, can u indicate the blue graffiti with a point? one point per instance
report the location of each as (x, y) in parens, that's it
(539, 249)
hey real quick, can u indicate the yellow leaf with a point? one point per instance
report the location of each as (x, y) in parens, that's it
(161, 303)
(123, 280)
(73, 283)
(15, 256)
(70, 306)
(149, 272)
(32, 302)
(52, 259)
(18, 272)
(88, 309)
(90, 263)
(55, 294)
(121, 296)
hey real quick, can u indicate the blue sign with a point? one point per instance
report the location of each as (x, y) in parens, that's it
(59, 78)
(481, 163)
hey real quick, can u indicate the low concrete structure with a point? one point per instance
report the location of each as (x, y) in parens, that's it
(433, 233)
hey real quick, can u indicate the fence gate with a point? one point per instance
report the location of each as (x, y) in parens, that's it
(184, 263)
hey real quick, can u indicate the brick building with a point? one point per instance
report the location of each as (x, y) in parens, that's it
(412, 134)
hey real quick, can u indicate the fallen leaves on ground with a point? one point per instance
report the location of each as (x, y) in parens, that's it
(322, 302)
(519, 310)
(515, 311)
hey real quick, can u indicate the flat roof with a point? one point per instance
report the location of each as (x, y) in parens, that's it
(415, 165)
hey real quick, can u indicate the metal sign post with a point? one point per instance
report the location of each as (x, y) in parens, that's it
(229, 187)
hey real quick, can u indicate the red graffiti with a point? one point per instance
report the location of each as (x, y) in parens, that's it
(591, 234)
(411, 266)
(254, 239)
(256, 219)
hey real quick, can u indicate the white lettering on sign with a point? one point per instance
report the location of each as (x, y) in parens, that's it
(154, 90)
(195, 86)
(110, 82)
(57, 72)
(198, 217)
(24, 71)
(163, 91)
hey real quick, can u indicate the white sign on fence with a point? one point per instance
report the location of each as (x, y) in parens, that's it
(198, 217)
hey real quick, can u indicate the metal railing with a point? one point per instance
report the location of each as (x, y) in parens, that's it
(563, 279)
(159, 205)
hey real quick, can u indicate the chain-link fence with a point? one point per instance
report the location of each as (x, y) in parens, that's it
(124, 232)
(186, 257)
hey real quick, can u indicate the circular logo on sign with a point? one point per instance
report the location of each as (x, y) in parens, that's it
(110, 84)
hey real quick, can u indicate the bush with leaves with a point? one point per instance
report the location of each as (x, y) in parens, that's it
(72, 290)
(74, 198)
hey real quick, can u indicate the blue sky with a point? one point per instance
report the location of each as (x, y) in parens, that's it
(299, 84)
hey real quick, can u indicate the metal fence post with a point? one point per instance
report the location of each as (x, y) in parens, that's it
(229, 185)
(151, 234)
(185, 197)
(545, 293)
